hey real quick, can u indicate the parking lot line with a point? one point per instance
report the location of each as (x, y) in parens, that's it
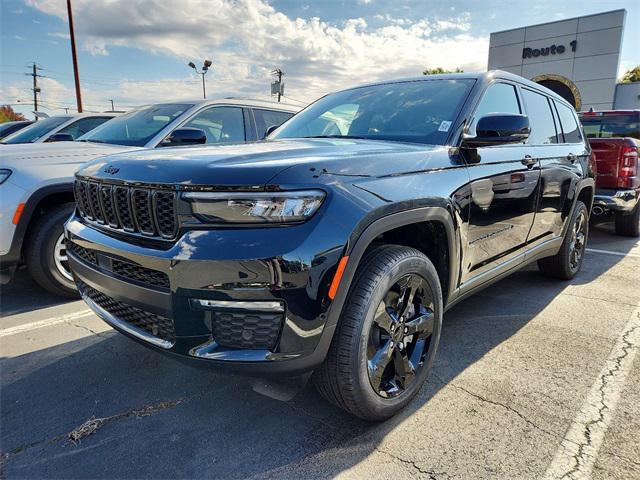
(44, 323)
(609, 252)
(578, 451)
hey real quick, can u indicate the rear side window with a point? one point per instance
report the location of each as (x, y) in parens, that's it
(569, 124)
(543, 129)
(269, 118)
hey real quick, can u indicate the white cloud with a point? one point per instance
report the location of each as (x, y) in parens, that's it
(247, 38)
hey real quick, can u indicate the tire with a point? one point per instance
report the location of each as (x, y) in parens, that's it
(628, 225)
(347, 376)
(568, 261)
(45, 234)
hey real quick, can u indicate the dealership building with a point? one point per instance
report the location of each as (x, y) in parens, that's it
(577, 58)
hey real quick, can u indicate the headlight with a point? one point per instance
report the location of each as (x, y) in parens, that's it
(4, 174)
(255, 207)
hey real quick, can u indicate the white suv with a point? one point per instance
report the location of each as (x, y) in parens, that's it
(36, 181)
(58, 128)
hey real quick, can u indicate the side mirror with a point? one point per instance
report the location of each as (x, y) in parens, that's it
(270, 130)
(499, 129)
(185, 136)
(60, 137)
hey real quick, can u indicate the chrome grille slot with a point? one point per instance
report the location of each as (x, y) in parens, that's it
(94, 200)
(141, 202)
(106, 198)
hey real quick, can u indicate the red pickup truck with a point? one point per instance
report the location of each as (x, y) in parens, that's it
(614, 136)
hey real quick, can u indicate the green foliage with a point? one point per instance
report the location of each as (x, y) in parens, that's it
(8, 115)
(632, 75)
(439, 70)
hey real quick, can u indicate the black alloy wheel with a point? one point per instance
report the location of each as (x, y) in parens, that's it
(400, 335)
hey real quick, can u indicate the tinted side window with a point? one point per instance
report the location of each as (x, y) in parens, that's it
(221, 124)
(499, 98)
(268, 118)
(84, 125)
(543, 129)
(569, 124)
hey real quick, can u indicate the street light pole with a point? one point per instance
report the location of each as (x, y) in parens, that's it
(205, 68)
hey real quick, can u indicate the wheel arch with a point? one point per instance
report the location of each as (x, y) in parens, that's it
(364, 237)
(41, 200)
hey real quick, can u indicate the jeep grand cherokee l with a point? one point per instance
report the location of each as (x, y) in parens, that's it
(336, 245)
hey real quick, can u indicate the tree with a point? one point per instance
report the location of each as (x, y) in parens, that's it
(632, 75)
(439, 70)
(8, 115)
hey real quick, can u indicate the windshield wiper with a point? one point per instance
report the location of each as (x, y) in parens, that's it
(338, 136)
(92, 141)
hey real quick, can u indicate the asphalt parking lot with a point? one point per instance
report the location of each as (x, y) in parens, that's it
(534, 378)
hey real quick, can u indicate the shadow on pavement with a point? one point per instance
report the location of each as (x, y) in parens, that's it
(23, 294)
(220, 428)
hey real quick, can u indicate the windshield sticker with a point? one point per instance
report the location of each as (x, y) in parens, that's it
(444, 126)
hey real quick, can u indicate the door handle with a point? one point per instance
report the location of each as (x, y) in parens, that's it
(572, 158)
(529, 161)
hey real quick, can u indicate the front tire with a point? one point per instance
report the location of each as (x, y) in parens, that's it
(567, 262)
(387, 336)
(628, 225)
(45, 255)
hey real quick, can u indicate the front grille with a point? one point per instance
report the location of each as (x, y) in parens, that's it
(140, 274)
(156, 325)
(246, 330)
(145, 211)
(85, 254)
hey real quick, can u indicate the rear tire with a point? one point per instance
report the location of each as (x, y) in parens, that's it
(628, 225)
(354, 375)
(45, 253)
(568, 261)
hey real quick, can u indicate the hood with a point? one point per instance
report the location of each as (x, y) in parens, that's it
(56, 153)
(256, 164)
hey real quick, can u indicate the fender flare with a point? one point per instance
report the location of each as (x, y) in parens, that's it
(355, 250)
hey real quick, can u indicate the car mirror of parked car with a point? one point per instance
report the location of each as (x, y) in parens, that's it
(270, 130)
(61, 137)
(498, 129)
(185, 136)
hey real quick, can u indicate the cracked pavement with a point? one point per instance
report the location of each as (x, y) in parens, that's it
(516, 364)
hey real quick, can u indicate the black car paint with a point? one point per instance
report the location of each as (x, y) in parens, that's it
(500, 207)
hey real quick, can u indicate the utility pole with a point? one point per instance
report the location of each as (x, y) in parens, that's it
(36, 88)
(277, 87)
(112, 109)
(74, 55)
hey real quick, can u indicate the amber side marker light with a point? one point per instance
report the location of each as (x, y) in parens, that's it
(18, 213)
(337, 277)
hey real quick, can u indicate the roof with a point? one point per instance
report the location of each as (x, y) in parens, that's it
(481, 76)
(248, 102)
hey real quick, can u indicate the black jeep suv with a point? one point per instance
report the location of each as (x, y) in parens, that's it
(336, 245)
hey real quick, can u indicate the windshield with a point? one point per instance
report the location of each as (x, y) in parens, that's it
(608, 126)
(36, 130)
(138, 127)
(413, 111)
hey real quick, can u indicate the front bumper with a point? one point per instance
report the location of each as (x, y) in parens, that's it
(203, 298)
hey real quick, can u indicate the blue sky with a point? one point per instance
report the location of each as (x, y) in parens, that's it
(135, 51)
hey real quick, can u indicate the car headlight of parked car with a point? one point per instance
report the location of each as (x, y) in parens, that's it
(255, 207)
(4, 174)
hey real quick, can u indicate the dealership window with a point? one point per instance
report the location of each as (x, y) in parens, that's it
(543, 128)
(269, 118)
(220, 124)
(569, 124)
(499, 98)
